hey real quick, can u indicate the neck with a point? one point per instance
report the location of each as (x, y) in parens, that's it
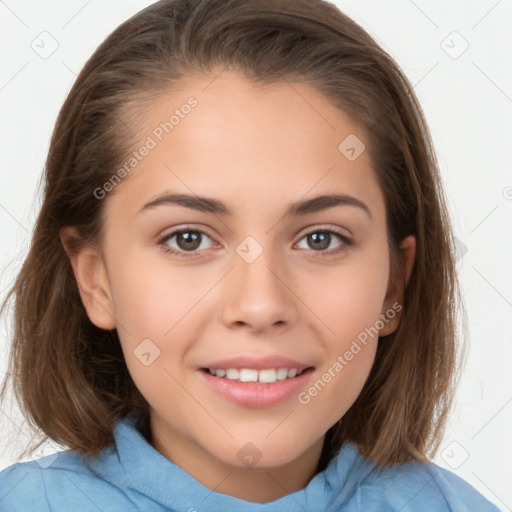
(252, 484)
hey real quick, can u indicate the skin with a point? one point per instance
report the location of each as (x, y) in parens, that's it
(257, 149)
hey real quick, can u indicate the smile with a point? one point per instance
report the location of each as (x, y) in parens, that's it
(252, 375)
(250, 387)
(268, 376)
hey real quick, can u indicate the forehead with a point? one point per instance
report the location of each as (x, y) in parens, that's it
(241, 141)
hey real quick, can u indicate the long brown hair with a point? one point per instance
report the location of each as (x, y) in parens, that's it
(70, 377)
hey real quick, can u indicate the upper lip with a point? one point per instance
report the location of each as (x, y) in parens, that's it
(257, 363)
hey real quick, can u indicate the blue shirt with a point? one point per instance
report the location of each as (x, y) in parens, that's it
(131, 475)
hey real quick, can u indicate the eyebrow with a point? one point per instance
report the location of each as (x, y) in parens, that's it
(210, 205)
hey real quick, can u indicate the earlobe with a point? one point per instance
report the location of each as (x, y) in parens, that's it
(92, 279)
(393, 302)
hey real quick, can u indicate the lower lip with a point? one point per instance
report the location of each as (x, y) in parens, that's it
(257, 394)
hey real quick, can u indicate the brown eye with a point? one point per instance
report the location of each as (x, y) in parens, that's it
(183, 241)
(188, 240)
(321, 239)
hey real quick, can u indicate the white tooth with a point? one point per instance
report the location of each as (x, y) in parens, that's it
(220, 373)
(232, 373)
(268, 375)
(211, 372)
(247, 375)
(282, 373)
(292, 372)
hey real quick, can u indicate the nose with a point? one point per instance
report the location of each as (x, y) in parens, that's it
(259, 295)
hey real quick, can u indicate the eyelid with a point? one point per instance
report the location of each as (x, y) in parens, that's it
(186, 227)
(167, 235)
(326, 227)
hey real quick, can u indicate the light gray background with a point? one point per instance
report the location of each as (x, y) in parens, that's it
(467, 98)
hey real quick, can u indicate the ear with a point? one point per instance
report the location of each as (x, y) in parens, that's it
(91, 277)
(394, 295)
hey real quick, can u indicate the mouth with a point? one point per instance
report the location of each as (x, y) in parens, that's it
(261, 387)
(264, 376)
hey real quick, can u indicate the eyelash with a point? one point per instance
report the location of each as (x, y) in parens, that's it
(346, 242)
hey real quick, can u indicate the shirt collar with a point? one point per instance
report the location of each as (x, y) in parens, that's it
(134, 464)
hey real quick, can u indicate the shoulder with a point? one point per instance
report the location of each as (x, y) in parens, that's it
(52, 482)
(426, 486)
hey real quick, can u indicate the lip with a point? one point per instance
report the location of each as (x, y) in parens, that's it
(256, 363)
(256, 394)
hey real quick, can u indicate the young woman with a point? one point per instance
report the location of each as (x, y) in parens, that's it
(240, 293)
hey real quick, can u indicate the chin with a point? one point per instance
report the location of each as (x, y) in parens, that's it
(266, 453)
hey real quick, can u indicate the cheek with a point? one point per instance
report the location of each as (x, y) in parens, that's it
(350, 308)
(349, 302)
(159, 311)
(150, 296)
(355, 310)
(348, 298)
(337, 385)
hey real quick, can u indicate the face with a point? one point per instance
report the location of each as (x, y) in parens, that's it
(262, 276)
